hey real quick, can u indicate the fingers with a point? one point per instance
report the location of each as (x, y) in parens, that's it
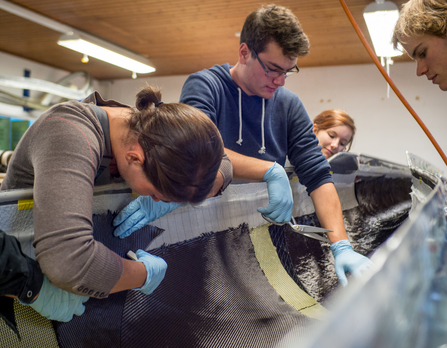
(79, 310)
(347, 260)
(133, 223)
(141, 253)
(280, 215)
(365, 267)
(341, 276)
(156, 270)
(56, 304)
(285, 216)
(124, 214)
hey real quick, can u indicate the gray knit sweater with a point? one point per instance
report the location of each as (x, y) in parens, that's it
(59, 156)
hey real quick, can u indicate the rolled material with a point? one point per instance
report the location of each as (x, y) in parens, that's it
(5, 157)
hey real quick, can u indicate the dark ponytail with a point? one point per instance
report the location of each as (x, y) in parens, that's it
(147, 97)
(182, 146)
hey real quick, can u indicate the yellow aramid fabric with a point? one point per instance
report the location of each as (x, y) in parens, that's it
(25, 204)
(35, 330)
(277, 276)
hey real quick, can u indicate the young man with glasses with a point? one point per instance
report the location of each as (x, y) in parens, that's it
(261, 123)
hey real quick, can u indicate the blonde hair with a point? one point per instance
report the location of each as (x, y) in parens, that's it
(421, 17)
(333, 118)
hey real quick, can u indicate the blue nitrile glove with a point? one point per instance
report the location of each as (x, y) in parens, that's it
(139, 213)
(280, 204)
(347, 260)
(57, 304)
(156, 270)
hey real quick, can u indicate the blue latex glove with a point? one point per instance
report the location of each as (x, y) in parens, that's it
(57, 304)
(280, 204)
(156, 270)
(139, 213)
(347, 260)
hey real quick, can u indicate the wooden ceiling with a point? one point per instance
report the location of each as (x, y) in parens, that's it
(178, 36)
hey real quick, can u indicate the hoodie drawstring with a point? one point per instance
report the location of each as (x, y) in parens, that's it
(262, 149)
(239, 141)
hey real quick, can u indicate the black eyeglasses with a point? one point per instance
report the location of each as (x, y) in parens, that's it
(276, 73)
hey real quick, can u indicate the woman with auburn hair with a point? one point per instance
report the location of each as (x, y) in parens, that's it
(335, 131)
(422, 31)
(168, 153)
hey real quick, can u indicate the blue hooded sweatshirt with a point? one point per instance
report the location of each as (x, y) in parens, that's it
(268, 129)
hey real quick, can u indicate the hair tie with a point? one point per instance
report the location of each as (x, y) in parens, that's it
(158, 103)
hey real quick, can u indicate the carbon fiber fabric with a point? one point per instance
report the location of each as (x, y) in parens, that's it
(401, 302)
(384, 204)
(100, 325)
(214, 295)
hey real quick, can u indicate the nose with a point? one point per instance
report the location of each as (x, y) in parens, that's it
(335, 143)
(280, 80)
(421, 68)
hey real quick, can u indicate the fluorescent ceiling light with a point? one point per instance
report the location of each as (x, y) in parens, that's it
(100, 51)
(105, 51)
(381, 17)
(42, 86)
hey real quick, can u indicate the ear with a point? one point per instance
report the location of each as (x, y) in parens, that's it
(315, 129)
(244, 53)
(134, 157)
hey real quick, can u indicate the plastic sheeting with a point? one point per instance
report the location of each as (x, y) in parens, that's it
(402, 302)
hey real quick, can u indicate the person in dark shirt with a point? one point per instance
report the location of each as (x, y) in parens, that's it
(262, 123)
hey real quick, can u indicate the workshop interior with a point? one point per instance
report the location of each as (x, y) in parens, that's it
(235, 279)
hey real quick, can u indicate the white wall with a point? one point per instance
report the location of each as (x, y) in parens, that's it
(385, 128)
(125, 90)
